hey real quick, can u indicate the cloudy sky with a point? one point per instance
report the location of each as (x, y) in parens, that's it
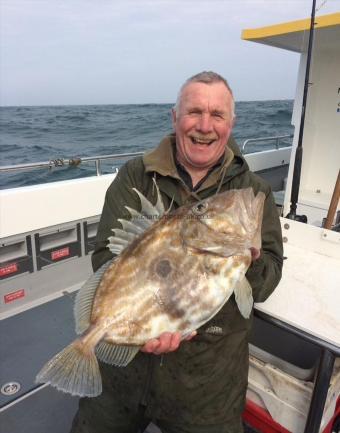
(138, 51)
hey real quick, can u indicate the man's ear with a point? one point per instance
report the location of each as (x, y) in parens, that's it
(174, 118)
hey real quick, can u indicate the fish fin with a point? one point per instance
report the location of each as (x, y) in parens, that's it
(139, 223)
(159, 204)
(131, 227)
(258, 206)
(170, 206)
(199, 247)
(117, 240)
(147, 207)
(138, 219)
(131, 230)
(124, 235)
(119, 356)
(84, 299)
(74, 371)
(116, 244)
(116, 249)
(244, 297)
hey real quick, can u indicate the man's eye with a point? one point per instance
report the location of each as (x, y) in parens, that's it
(218, 115)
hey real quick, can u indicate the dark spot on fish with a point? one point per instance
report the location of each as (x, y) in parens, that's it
(171, 303)
(163, 268)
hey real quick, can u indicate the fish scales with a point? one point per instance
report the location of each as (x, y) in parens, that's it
(173, 277)
(161, 304)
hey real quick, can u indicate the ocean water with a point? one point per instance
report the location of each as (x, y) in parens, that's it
(35, 134)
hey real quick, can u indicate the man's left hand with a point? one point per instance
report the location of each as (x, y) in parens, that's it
(166, 342)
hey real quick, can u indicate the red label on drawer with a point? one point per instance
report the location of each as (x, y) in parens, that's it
(59, 254)
(8, 269)
(10, 297)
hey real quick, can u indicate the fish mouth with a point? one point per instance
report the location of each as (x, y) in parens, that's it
(206, 141)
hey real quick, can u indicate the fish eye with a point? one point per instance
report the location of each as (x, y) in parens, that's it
(200, 208)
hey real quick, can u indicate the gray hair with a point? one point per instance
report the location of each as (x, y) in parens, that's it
(206, 77)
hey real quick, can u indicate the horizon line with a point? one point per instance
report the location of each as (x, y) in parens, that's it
(132, 103)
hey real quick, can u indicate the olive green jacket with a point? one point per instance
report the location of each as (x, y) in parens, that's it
(205, 380)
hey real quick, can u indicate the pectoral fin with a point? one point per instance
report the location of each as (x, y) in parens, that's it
(226, 249)
(244, 297)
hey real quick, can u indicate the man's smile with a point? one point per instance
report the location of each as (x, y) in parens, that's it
(201, 140)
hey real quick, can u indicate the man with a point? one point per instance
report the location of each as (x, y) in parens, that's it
(199, 385)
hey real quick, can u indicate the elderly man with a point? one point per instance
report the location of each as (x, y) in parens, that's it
(198, 385)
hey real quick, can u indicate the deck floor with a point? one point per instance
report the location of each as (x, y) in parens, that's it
(153, 429)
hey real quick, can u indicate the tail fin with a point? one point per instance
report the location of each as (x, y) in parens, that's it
(73, 370)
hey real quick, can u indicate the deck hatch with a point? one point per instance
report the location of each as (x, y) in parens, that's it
(15, 257)
(90, 233)
(57, 245)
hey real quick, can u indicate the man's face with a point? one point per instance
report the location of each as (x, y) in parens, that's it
(203, 123)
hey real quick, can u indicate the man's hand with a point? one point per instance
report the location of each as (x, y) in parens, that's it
(166, 342)
(255, 253)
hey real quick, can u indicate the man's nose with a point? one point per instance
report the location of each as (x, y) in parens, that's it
(205, 124)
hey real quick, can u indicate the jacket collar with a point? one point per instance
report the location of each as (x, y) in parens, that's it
(162, 161)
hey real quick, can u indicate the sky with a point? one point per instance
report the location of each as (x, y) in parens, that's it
(61, 52)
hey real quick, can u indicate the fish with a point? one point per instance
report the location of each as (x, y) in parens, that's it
(172, 271)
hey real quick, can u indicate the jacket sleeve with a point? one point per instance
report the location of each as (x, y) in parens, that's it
(265, 273)
(118, 195)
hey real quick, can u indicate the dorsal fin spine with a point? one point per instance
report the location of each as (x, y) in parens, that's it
(139, 223)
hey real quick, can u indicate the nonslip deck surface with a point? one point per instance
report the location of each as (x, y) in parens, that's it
(153, 429)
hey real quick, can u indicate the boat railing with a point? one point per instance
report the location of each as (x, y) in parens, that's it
(277, 139)
(63, 162)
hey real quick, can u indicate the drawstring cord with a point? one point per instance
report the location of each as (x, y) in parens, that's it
(223, 173)
(198, 198)
(192, 193)
(154, 183)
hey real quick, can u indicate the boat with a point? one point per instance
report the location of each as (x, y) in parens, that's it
(48, 233)
(294, 378)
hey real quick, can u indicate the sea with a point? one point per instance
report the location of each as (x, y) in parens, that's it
(47, 133)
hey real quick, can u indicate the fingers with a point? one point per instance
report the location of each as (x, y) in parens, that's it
(255, 253)
(150, 346)
(167, 342)
(190, 336)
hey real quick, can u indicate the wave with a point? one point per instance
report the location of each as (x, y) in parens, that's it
(283, 114)
(72, 118)
(10, 147)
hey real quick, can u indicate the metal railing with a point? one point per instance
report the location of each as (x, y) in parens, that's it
(63, 162)
(277, 139)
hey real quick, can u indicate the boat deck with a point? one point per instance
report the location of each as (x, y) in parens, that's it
(153, 429)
